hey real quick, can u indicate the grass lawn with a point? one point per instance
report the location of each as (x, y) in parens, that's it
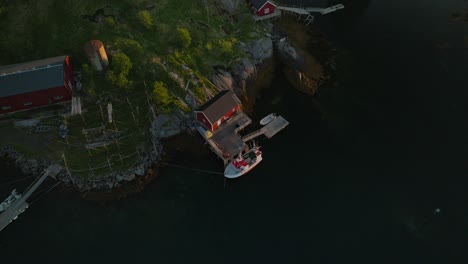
(130, 130)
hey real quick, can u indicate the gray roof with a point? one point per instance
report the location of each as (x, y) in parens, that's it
(31, 76)
(219, 105)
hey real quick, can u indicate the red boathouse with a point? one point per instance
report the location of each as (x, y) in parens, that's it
(35, 84)
(219, 108)
(262, 7)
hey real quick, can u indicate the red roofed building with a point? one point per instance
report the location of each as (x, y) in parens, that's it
(263, 7)
(35, 84)
(219, 108)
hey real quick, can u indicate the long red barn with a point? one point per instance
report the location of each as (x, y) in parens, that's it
(35, 84)
(219, 108)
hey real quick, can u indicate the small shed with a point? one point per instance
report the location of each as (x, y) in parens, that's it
(218, 109)
(96, 54)
(262, 7)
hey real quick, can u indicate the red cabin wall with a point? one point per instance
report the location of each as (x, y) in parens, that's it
(38, 99)
(225, 117)
(269, 6)
(44, 97)
(202, 118)
(68, 74)
(215, 126)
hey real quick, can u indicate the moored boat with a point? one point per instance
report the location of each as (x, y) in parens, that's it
(243, 163)
(267, 119)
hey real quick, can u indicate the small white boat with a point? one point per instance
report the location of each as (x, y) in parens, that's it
(243, 163)
(267, 119)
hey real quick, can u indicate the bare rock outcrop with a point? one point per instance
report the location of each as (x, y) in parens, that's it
(245, 69)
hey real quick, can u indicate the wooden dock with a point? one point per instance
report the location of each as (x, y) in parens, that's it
(305, 12)
(225, 141)
(269, 130)
(20, 205)
(324, 11)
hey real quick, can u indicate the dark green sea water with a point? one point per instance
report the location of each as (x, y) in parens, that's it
(355, 178)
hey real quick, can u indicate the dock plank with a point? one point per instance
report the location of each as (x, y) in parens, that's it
(275, 126)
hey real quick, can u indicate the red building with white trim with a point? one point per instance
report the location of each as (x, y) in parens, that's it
(35, 84)
(219, 108)
(263, 7)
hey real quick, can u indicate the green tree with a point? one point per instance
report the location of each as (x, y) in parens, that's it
(120, 67)
(145, 19)
(88, 79)
(184, 37)
(161, 95)
(109, 21)
(122, 81)
(121, 63)
(86, 70)
(226, 46)
(130, 47)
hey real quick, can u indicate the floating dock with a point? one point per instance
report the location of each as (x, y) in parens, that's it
(269, 130)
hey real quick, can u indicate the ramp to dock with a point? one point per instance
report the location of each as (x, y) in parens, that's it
(20, 205)
(269, 130)
(297, 10)
(325, 11)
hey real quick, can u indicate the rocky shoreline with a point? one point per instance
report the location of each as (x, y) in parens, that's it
(240, 78)
(34, 167)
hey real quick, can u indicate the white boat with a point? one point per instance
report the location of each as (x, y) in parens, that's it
(267, 119)
(243, 163)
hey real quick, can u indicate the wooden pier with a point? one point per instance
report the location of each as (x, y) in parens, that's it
(225, 141)
(224, 138)
(269, 130)
(300, 11)
(20, 205)
(324, 11)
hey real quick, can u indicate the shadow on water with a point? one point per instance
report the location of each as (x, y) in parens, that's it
(349, 16)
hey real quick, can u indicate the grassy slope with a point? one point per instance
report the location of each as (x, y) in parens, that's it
(44, 28)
